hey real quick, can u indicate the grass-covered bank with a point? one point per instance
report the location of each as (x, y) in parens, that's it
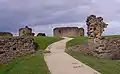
(76, 41)
(81, 40)
(102, 65)
(26, 65)
(112, 36)
(30, 64)
(42, 41)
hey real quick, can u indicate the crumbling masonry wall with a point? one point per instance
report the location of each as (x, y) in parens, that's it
(6, 34)
(101, 47)
(68, 31)
(95, 29)
(26, 31)
(13, 47)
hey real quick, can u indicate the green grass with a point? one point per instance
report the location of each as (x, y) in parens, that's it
(26, 65)
(112, 36)
(42, 42)
(81, 40)
(102, 65)
(30, 64)
(76, 41)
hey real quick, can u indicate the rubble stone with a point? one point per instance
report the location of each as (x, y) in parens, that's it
(12, 47)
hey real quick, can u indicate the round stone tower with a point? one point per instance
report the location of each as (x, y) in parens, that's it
(25, 31)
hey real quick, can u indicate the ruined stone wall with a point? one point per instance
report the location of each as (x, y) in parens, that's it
(68, 32)
(81, 33)
(6, 34)
(109, 49)
(101, 47)
(95, 28)
(25, 31)
(13, 47)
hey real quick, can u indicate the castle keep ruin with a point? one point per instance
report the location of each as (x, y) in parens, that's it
(98, 46)
(68, 31)
(25, 31)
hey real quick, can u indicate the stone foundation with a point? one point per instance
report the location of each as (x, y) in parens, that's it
(6, 34)
(13, 47)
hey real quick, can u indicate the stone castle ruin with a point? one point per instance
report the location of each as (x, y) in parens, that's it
(6, 34)
(98, 46)
(25, 31)
(68, 31)
(109, 48)
(95, 29)
(10, 48)
(13, 47)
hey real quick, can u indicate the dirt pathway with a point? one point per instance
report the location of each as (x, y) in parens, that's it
(60, 62)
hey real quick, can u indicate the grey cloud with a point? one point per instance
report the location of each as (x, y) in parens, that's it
(18, 13)
(37, 11)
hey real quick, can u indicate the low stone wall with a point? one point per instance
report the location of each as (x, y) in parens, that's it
(13, 47)
(81, 48)
(6, 34)
(109, 49)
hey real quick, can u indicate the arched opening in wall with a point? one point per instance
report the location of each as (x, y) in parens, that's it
(59, 31)
(14, 48)
(81, 35)
(1, 52)
(23, 31)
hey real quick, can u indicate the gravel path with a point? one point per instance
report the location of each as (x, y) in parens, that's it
(60, 62)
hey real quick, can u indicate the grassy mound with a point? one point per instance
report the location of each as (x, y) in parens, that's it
(81, 40)
(76, 41)
(31, 64)
(26, 65)
(102, 65)
(9, 36)
(42, 42)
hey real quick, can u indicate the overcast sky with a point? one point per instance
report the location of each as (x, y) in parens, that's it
(44, 15)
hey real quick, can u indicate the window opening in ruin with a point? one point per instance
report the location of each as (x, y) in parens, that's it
(59, 31)
(23, 31)
(1, 52)
(94, 28)
(14, 48)
(91, 28)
